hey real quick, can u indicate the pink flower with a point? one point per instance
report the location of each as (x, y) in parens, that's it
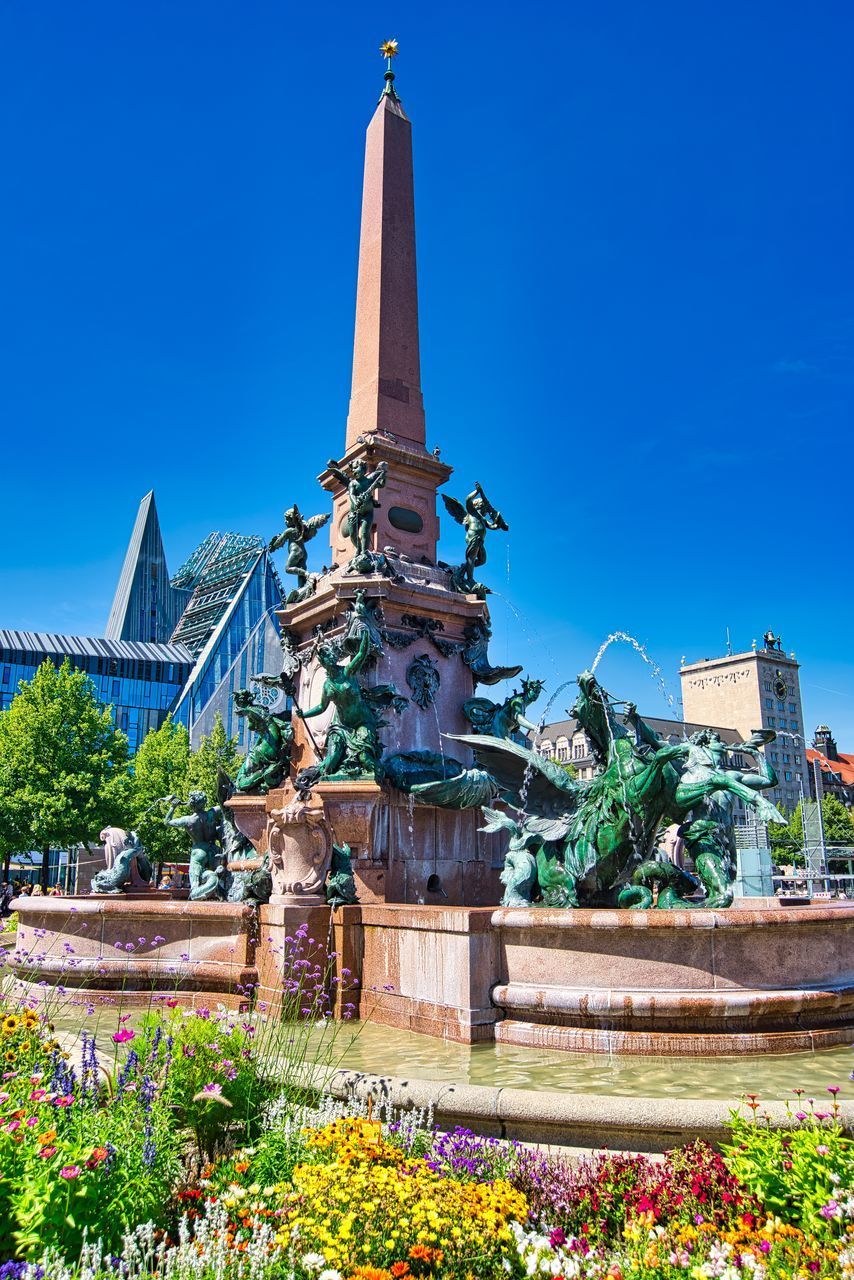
(64, 1100)
(171, 1004)
(765, 1245)
(4, 1097)
(47, 1152)
(822, 1150)
(123, 1035)
(37, 1095)
(212, 1088)
(70, 1171)
(12, 1126)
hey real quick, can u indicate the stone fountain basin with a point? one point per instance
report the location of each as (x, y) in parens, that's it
(665, 983)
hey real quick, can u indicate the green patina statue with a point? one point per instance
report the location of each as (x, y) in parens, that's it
(360, 485)
(476, 517)
(204, 827)
(352, 747)
(296, 533)
(504, 719)
(128, 856)
(340, 888)
(268, 759)
(596, 842)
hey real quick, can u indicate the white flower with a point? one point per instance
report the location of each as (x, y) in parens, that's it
(313, 1261)
(329, 1274)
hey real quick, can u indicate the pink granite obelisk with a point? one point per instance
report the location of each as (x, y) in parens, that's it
(386, 390)
(386, 417)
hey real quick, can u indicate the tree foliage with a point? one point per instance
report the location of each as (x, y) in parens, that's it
(215, 751)
(63, 763)
(160, 768)
(788, 839)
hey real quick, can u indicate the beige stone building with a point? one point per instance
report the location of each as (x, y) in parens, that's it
(759, 689)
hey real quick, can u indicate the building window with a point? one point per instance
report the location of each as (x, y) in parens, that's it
(767, 686)
(788, 776)
(792, 708)
(578, 751)
(769, 702)
(772, 721)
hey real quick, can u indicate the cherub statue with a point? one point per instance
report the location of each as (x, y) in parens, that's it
(360, 485)
(296, 533)
(204, 827)
(269, 756)
(352, 741)
(476, 517)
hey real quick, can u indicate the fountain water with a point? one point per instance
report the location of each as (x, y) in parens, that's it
(655, 670)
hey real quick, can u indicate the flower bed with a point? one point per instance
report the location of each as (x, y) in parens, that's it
(178, 1153)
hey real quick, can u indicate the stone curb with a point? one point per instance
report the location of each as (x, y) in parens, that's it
(561, 1119)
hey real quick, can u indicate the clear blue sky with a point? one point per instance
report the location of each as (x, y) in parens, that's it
(635, 256)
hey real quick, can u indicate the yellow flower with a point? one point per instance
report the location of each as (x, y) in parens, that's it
(9, 1024)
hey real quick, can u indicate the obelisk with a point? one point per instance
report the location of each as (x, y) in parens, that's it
(386, 417)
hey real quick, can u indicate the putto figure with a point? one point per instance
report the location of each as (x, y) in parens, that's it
(504, 719)
(476, 517)
(360, 485)
(204, 827)
(296, 533)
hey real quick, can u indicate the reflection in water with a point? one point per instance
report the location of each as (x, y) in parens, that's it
(387, 1051)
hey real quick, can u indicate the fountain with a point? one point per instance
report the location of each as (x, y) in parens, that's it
(376, 816)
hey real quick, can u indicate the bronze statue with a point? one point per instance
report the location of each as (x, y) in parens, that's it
(504, 719)
(267, 762)
(360, 485)
(352, 741)
(204, 827)
(476, 517)
(296, 533)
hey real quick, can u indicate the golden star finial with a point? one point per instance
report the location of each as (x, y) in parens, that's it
(388, 49)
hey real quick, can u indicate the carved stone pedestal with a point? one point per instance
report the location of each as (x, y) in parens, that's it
(300, 848)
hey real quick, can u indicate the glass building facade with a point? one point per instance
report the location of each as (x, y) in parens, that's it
(218, 626)
(141, 682)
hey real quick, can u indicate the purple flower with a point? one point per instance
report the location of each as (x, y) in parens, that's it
(212, 1088)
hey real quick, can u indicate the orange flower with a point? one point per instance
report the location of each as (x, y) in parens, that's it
(399, 1269)
(44, 1138)
(369, 1273)
(240, 1166)
(423, 1253)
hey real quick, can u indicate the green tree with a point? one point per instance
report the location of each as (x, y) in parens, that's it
(836, 818)
(63, 764)
(215, 751)
(160, 768)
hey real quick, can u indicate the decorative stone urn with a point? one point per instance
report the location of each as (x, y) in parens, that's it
(300, 848)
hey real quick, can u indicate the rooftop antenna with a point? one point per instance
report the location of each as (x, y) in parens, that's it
(728, 644)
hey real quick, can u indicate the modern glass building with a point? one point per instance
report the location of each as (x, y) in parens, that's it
(181, 645)
(140, 681)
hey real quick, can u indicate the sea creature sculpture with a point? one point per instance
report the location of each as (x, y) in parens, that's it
(476, 517)
(267, 761)
(595, 841)
(504, 719)
(128, 866)
(204, 827)
(476, 655)
(296, 533)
